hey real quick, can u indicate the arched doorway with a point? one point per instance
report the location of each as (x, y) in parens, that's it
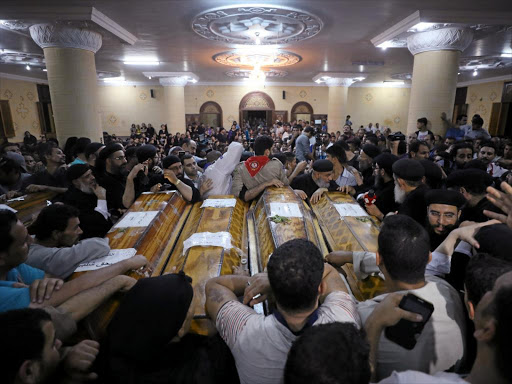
(210, 114)
(256, 108)
(302, 111)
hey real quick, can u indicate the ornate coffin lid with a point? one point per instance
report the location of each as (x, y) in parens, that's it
(344, 233)
(203, 263)
(154, 241)
(29, 208)
(268, 235)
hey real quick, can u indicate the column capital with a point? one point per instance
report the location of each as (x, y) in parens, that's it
(54, 35)
(339, 82)
(444, 39)
(178, 81)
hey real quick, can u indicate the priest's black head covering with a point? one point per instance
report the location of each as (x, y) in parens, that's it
(473, 179)
(495, 240)
(76, 171)
(92, 148)
(433, 173)
(110, 149)
(386, 161)
(322, 166)
(371, 150)
(170, 160)
(408, 169)
(445, 196)
(146, 152)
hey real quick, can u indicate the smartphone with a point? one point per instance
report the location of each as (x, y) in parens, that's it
(405, 333)
(181, 153)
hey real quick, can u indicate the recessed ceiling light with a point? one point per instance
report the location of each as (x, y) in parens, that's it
(149, 77)
(475, 72)
(509, 55)
(193, 81)
(45, 70)
(27, 67)
(141, 62)
(458, 73)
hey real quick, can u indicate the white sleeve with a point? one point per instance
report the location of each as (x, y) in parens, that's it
(440, 264)
(365, 264)
(227, 162)
(101, 207)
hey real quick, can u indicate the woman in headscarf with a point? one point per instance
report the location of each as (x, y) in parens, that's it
(147, 340)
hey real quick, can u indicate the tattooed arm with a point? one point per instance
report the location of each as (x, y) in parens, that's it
(220, 290)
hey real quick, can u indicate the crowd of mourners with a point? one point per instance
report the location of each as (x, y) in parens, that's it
(443, 250)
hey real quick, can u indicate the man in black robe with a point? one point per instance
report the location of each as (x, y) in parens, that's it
(410, 189)
(472, 184)
(384, 187)
(90, 199)
(314, 184)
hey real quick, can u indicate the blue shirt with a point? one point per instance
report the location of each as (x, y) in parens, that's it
(17, 298)
(456, 133)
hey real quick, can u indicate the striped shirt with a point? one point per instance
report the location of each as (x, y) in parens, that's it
(260, 344)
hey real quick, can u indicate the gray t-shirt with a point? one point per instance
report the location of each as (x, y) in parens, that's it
(260, 344)
(440, 345)
(62, 262)
(302, 147)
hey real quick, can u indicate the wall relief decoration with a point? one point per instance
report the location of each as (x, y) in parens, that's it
(493, 96)
(112, 119)
(256, 102)
(303, 93)
(368, 97)
(30, 96)
(143, 96)
(8, 94)
(22, 110)
(472, 97)
(210, 93)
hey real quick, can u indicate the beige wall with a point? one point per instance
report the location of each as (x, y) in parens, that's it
(480, 98)
(229, 97)
(22, 96)
(120, 106)
(386, 106)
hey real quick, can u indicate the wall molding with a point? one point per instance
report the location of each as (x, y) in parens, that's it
(486, 80)
(23, 78)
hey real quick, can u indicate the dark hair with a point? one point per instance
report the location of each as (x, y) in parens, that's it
(46, 149)
(289, 156)
(8, 144)
(501, 308)
(80, 145)
(476, 164)
(490, 144)
(402, 147)
(8, 165)
(459, 117)
(336, 150)
(482, 272)
(372, 139)
(261, 144)
(279, 156)
(343, 144)
(404, 247)
(53, 218)
(23, 338)
(104, 155)
(130, 152)
(458, 146)
(7, 220)
(477, 120)
(415, 146)
(335, 353)
(423, 120)
(186, 157)
(295, 271)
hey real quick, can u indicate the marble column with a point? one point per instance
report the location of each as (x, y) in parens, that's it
(337, 109)
(174, 96)
(434, 78)
(69, 54)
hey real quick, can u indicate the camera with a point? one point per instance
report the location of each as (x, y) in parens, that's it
(397, 136)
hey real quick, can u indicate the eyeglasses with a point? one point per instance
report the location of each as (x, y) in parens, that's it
(120, 158)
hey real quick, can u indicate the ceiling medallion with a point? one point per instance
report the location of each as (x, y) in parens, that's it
(22, 58)
(14, 25)
(483, 62)
(250, 25)
(245, 73)
(254, 58)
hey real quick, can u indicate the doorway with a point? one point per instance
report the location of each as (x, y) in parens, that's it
(257, 118)
(256, 108)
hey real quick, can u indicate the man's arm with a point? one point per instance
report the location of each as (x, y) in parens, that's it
(129, 190)
(33, 188)
(87, 301)
(89, 280)
(237, 182)
(333, 282)
(220, 290)
(254, 192)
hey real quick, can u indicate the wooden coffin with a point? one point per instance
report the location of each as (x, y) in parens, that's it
(204, 262)
(349, 233)
(155, 241)
(267, 234)
(31, 205)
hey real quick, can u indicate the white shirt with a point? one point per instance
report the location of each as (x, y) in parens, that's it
(442, 341)
(346, 178)
(260, 344)
(220, 171)
(197, 182)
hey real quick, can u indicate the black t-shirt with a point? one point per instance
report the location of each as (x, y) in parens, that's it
(476, 213)
(58, 179)
(115, 186)
(386, 198)
(415, 205)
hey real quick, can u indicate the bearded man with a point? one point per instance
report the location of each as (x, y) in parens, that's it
(444, 208)
(90, 199)
(313, 185)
